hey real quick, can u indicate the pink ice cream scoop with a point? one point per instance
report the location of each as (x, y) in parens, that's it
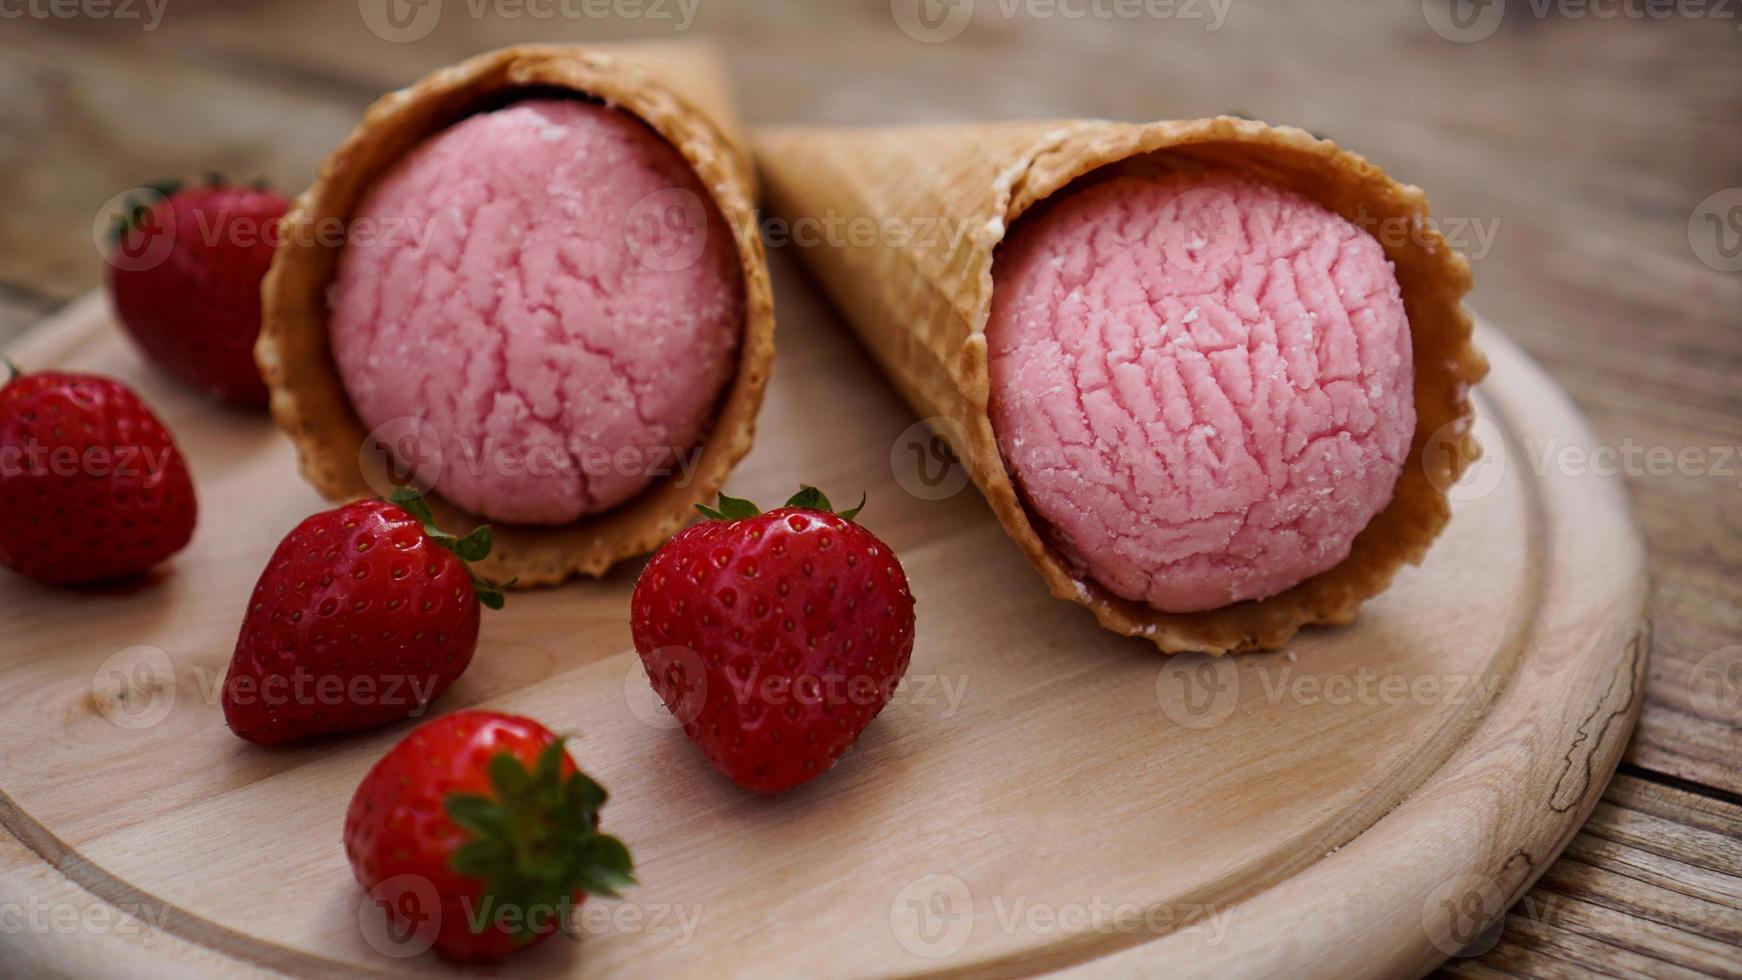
(1202, 384)
(547, 294)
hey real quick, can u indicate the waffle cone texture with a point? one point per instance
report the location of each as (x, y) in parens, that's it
(680, 92)
(920, 302)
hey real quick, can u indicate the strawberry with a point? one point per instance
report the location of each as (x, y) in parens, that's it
(92, 486)
(184, 276)
(775, 638)
(363, 616)
(478, 834)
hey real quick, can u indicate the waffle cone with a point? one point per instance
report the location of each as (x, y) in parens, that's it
(920, 300)
(677, 90)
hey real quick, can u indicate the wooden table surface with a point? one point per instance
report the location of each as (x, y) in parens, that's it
(1588, 158)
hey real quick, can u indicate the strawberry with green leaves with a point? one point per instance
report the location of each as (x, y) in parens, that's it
(479, 834)
(363, 616)
(774, 638)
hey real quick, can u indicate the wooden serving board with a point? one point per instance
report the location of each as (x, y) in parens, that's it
(1039, 795)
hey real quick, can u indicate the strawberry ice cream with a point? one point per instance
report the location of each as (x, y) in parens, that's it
(1202, 384)
(551, 291)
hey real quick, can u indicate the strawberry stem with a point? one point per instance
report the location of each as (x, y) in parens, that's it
(13, 371)
(473, 547)
(535, 839)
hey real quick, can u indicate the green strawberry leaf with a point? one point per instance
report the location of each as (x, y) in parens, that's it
(550, 763)
(13, 371)
(479, 814)
(605, 865)
(535, 840)
(852, 512)
(810, 498)
(473, 547)
(585, 794)
(508, 778)
(412, 503)
(490, 595)
(729, 509)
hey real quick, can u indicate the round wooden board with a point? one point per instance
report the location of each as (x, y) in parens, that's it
(1039, 795)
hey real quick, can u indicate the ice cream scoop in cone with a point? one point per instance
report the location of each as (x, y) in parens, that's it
(920, 293)
(528, 318)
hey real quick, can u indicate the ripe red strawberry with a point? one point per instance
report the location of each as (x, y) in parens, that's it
(798, 622)
(363, 616)
(477, 834)
(92, 486)
(184, 275)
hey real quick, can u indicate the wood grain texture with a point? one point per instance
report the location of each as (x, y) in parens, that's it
(1651, 886)
(1455, 737)
(1580, 145)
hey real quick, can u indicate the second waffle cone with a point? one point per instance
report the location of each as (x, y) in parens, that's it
(919, 293)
